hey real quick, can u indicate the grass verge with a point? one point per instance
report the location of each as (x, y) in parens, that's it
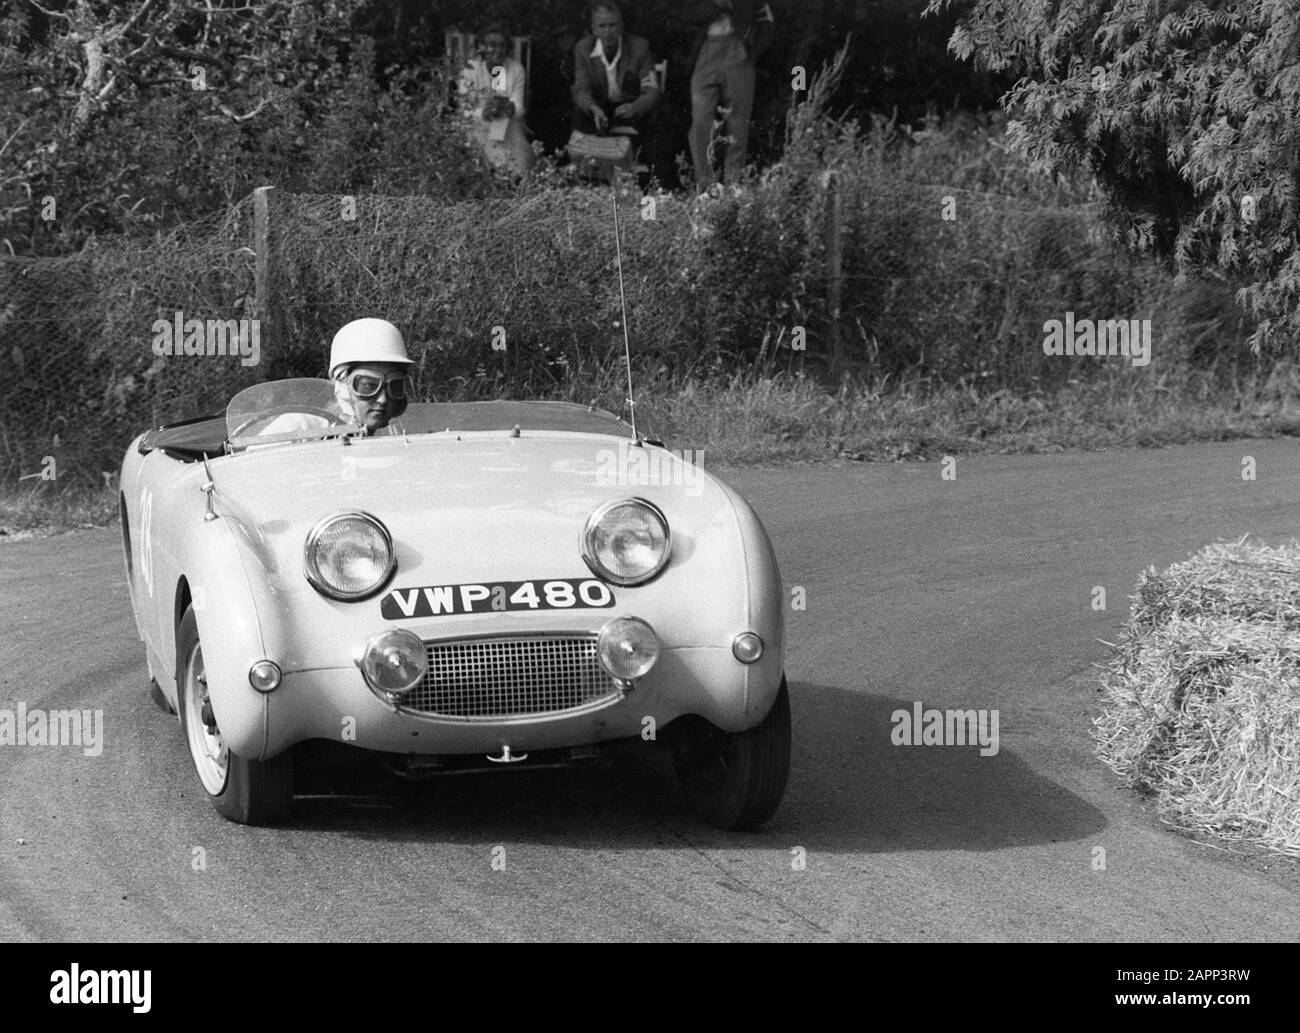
(760, 418)
(1201, 700)
(28, 512)
(774, 419)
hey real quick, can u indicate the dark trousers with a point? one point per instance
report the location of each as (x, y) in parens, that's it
(724, 76)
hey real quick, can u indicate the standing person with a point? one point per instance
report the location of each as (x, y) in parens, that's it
(493, 85)
(729, 37)
(614, 81)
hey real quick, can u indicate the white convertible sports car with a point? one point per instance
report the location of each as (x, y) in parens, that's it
(494, 584)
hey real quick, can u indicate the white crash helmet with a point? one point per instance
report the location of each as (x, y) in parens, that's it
(368, 340)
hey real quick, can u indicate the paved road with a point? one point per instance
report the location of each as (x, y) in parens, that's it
(971, 593)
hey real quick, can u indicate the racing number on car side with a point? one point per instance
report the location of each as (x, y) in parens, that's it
(501, 597)
(146, 538)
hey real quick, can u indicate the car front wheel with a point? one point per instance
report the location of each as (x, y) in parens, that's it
(246, 791)
(735, 780)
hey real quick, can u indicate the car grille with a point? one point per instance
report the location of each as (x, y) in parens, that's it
(511, 677)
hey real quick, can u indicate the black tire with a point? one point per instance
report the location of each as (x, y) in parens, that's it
(735, 780)
(249, 792)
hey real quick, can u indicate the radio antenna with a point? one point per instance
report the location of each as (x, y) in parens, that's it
(622, 298)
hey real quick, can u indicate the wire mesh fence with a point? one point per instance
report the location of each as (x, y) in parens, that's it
(520, 297)
(91, 361)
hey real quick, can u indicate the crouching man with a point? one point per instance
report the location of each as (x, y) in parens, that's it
(614, 84)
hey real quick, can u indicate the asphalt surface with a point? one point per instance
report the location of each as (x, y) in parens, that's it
(973, 593)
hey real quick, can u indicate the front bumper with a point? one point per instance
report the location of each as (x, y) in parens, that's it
(335, 704)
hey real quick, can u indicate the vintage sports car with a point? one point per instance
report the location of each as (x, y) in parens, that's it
(497, 584)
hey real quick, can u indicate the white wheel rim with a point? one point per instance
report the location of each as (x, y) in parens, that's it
(207, 749)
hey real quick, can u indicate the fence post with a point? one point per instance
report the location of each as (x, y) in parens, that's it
(834, 269)
(262, 276)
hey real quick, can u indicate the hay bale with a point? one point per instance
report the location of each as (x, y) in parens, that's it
(1201, 699)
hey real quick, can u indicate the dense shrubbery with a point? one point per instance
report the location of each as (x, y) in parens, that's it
(715, 285)
(1185, 112)
(101, 112)
(292, 94)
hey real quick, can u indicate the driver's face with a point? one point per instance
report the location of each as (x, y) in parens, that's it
(375, 412)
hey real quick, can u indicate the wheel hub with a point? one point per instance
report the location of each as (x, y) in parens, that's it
(206, 746)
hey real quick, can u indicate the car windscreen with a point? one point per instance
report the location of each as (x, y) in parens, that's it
(305, 409)
(283, 410)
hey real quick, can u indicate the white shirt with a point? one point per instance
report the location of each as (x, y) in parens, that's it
(294, 422)
(721, 25)
(611, 70)
(477, 83)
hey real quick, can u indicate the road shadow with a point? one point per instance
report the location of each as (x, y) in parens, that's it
(850, 790)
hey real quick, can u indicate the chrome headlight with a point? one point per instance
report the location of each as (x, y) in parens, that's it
(626, 542)
(349, 556)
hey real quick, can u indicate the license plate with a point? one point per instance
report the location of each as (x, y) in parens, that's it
(496, 597)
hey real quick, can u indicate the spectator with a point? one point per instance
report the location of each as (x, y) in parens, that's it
(492, 86)
(729, 37)
(614, 83)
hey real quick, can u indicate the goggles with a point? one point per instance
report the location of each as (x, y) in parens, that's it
(367, 385)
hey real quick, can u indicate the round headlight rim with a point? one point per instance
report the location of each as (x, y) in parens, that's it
(319, 583)
(419, 647)
(589, 553)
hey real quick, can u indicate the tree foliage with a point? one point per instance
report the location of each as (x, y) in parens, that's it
(1186, 111)
(100, 110)
(132, 116)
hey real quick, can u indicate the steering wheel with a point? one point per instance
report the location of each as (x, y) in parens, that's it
(268, 415)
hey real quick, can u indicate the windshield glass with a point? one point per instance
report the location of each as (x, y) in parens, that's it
(284, 410)
(306, 410)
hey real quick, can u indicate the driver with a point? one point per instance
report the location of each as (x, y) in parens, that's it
(372, 380)
(371, 373)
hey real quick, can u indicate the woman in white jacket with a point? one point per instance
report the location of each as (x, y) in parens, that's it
(492, 89)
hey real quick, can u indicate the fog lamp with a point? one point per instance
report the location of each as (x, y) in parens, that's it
(628, 647)
(393, 661)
